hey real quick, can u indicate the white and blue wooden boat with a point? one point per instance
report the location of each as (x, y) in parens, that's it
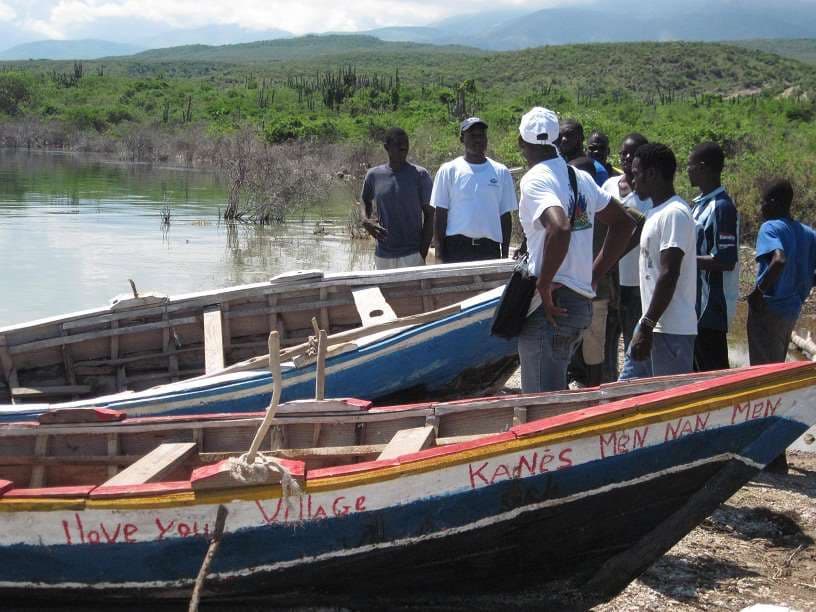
(141, 341)
(453, 353)
(559, 499)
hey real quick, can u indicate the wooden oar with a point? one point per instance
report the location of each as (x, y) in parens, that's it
(261, 361)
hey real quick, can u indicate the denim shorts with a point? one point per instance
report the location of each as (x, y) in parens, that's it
(545, 350)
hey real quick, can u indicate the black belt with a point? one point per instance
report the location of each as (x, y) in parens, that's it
(473, 241)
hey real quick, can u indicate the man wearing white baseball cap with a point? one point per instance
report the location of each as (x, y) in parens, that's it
(557, 214)
(473, 197)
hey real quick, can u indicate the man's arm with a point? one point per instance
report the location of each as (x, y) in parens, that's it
(427, 229)
(556, 245)
(440, 223)
(775, 267)
(723, 257)
(620, 229)
(670, 261)
(507, 231)
(366, 208)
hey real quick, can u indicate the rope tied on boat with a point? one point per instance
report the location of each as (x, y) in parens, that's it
(261, 470)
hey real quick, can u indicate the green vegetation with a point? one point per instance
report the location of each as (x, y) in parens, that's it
(193, 104)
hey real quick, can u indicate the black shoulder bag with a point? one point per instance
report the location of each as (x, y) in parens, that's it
(511, 312)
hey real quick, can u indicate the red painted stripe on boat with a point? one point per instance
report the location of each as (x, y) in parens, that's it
(5, 485)
(173, 486)
(78, 491)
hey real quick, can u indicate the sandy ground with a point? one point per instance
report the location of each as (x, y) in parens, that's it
(757, 548)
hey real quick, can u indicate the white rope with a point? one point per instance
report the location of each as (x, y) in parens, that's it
(262, 471)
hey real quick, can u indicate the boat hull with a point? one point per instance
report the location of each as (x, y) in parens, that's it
(537, 509)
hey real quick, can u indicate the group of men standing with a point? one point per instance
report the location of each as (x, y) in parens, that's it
(615, 252)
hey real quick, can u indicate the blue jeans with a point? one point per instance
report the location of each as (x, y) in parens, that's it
(545, 350)
(671, 354)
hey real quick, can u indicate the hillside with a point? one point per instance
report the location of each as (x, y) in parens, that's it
(802, 49)
(330, 46)
(684, 68)
(68, 50)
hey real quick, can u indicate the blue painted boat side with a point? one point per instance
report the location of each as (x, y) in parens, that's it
(434, 517)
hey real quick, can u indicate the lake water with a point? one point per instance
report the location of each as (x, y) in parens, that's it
(74, 229)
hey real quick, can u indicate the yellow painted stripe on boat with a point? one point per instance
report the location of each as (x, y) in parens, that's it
(21, 504)
(601, 424)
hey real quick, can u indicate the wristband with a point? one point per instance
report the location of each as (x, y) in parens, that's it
(647, 322)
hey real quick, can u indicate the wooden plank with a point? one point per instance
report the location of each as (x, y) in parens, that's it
(256, 363)
(325, 323)
(68, 362)
(39, 345)
(325, 452)
(226, 332)
(113, 452)
(408, 441)
(72, 416)
(427, 300)
(372, 306)
(38, 471)
(154, 464)
(213, 340)
(7, 368)
(51, 391)
(62, 460)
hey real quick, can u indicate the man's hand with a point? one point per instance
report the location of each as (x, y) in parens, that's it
(551, 310)
(641, 346)
(375, 229)
(756, 300)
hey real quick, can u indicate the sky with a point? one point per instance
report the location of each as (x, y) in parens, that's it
(132, 19)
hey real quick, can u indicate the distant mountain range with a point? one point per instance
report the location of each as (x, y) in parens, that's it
(624, 20)
(68, 50)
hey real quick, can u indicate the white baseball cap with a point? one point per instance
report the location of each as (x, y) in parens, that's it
(539, 126)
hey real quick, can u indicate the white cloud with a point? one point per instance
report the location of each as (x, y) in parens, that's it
(7, 13)
(60, 18)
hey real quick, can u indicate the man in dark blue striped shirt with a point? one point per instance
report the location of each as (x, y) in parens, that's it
(717, 224)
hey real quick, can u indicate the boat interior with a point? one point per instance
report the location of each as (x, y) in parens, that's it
(94, 447)
(143, 341)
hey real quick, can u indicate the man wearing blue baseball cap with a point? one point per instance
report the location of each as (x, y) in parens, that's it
(473, 197)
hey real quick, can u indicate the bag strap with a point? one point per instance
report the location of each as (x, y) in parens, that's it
(573, 179)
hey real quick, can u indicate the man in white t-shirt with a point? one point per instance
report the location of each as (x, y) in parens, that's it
(558, 230)
(626, 311)
(663, 342)
(473, 197)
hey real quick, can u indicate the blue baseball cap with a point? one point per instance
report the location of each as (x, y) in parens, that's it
(469, 123)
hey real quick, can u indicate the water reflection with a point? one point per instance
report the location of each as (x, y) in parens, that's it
(74, 229)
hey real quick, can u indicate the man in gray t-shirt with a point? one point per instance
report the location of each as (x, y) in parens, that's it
(403, 227)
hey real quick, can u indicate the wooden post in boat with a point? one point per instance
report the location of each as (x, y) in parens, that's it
(320, 372)
(275, 368)
(218, 531)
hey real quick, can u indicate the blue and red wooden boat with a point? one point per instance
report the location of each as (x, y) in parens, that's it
(558, 498)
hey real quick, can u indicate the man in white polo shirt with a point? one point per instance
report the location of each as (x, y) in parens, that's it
(663, 342)
(473, 197)
(557, 222)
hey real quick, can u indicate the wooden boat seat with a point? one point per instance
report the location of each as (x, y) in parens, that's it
(155, 464)
(372, 306)
(407, 441)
